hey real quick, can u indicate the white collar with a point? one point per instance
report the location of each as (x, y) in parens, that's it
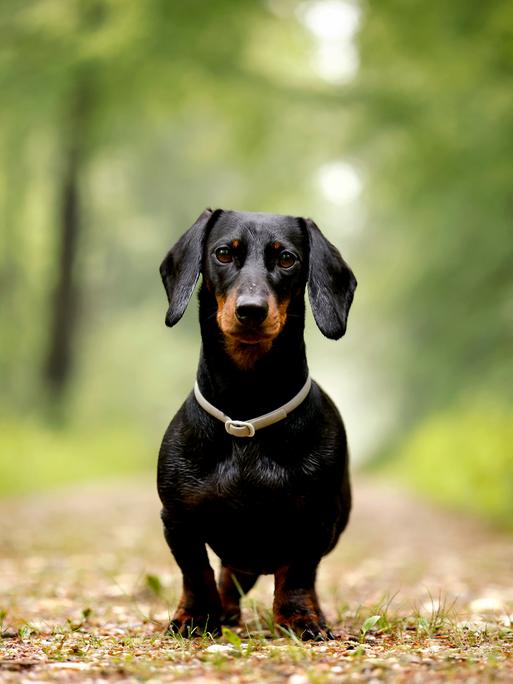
(246, 428)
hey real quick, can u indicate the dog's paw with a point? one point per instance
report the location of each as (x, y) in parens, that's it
(306, 628)
(230, 614)
(231, 618)
(194, 626)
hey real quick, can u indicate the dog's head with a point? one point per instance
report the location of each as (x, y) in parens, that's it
(256, 265)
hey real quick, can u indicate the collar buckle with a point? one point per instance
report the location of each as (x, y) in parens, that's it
(247, 428)
(239, 428)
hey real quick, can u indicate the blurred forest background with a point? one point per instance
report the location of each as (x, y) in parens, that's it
(389, 122)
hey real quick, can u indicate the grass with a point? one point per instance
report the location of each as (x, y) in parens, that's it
(125, 638)
(388, 646)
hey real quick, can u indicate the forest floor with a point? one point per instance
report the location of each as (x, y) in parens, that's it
(414, 594)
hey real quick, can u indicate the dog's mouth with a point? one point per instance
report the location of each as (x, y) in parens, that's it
(250, 337)
(246, 341)
(246, 347)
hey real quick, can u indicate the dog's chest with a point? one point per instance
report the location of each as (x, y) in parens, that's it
(246, 475)
(251, 507)
(248, 469)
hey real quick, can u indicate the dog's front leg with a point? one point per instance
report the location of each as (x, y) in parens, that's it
(199, 609)
(233, 585)
(296, 607)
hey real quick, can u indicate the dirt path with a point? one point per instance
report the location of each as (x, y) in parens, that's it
(87, 585)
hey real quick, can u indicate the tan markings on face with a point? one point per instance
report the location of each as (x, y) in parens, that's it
(276, 245)
(282, 312)
(226, 311)
(246, 355)
(235, 244)
(245, 348)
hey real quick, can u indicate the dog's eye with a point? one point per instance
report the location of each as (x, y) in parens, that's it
(224, 255)
(286, 259)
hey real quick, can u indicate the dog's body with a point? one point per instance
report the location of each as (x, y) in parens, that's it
(275, 502)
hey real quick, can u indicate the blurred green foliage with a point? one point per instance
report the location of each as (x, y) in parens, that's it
(38, 456)
(159, 109)
(175, 113)
(147, 112)
(435, 134)
(461, 458)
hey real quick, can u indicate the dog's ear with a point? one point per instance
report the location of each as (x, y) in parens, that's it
(181, 267)
(331, 284)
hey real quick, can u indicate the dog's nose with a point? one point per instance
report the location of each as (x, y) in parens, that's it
(252, 310)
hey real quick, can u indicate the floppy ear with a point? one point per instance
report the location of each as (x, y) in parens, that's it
(181, 268)
(331, 284)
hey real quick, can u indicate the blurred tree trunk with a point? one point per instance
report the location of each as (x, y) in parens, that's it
(66, 296)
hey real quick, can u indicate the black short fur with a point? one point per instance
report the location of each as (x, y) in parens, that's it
(276, 502)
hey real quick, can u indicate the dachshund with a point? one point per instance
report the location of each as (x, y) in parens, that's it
(255, 462)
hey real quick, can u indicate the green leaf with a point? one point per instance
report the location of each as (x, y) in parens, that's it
(369, 623)
(422, 624)
(154, 584)
(232, 638)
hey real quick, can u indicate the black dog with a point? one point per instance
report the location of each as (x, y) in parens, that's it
(270, 495)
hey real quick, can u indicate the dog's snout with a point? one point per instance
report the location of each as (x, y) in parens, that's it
(252, 310)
